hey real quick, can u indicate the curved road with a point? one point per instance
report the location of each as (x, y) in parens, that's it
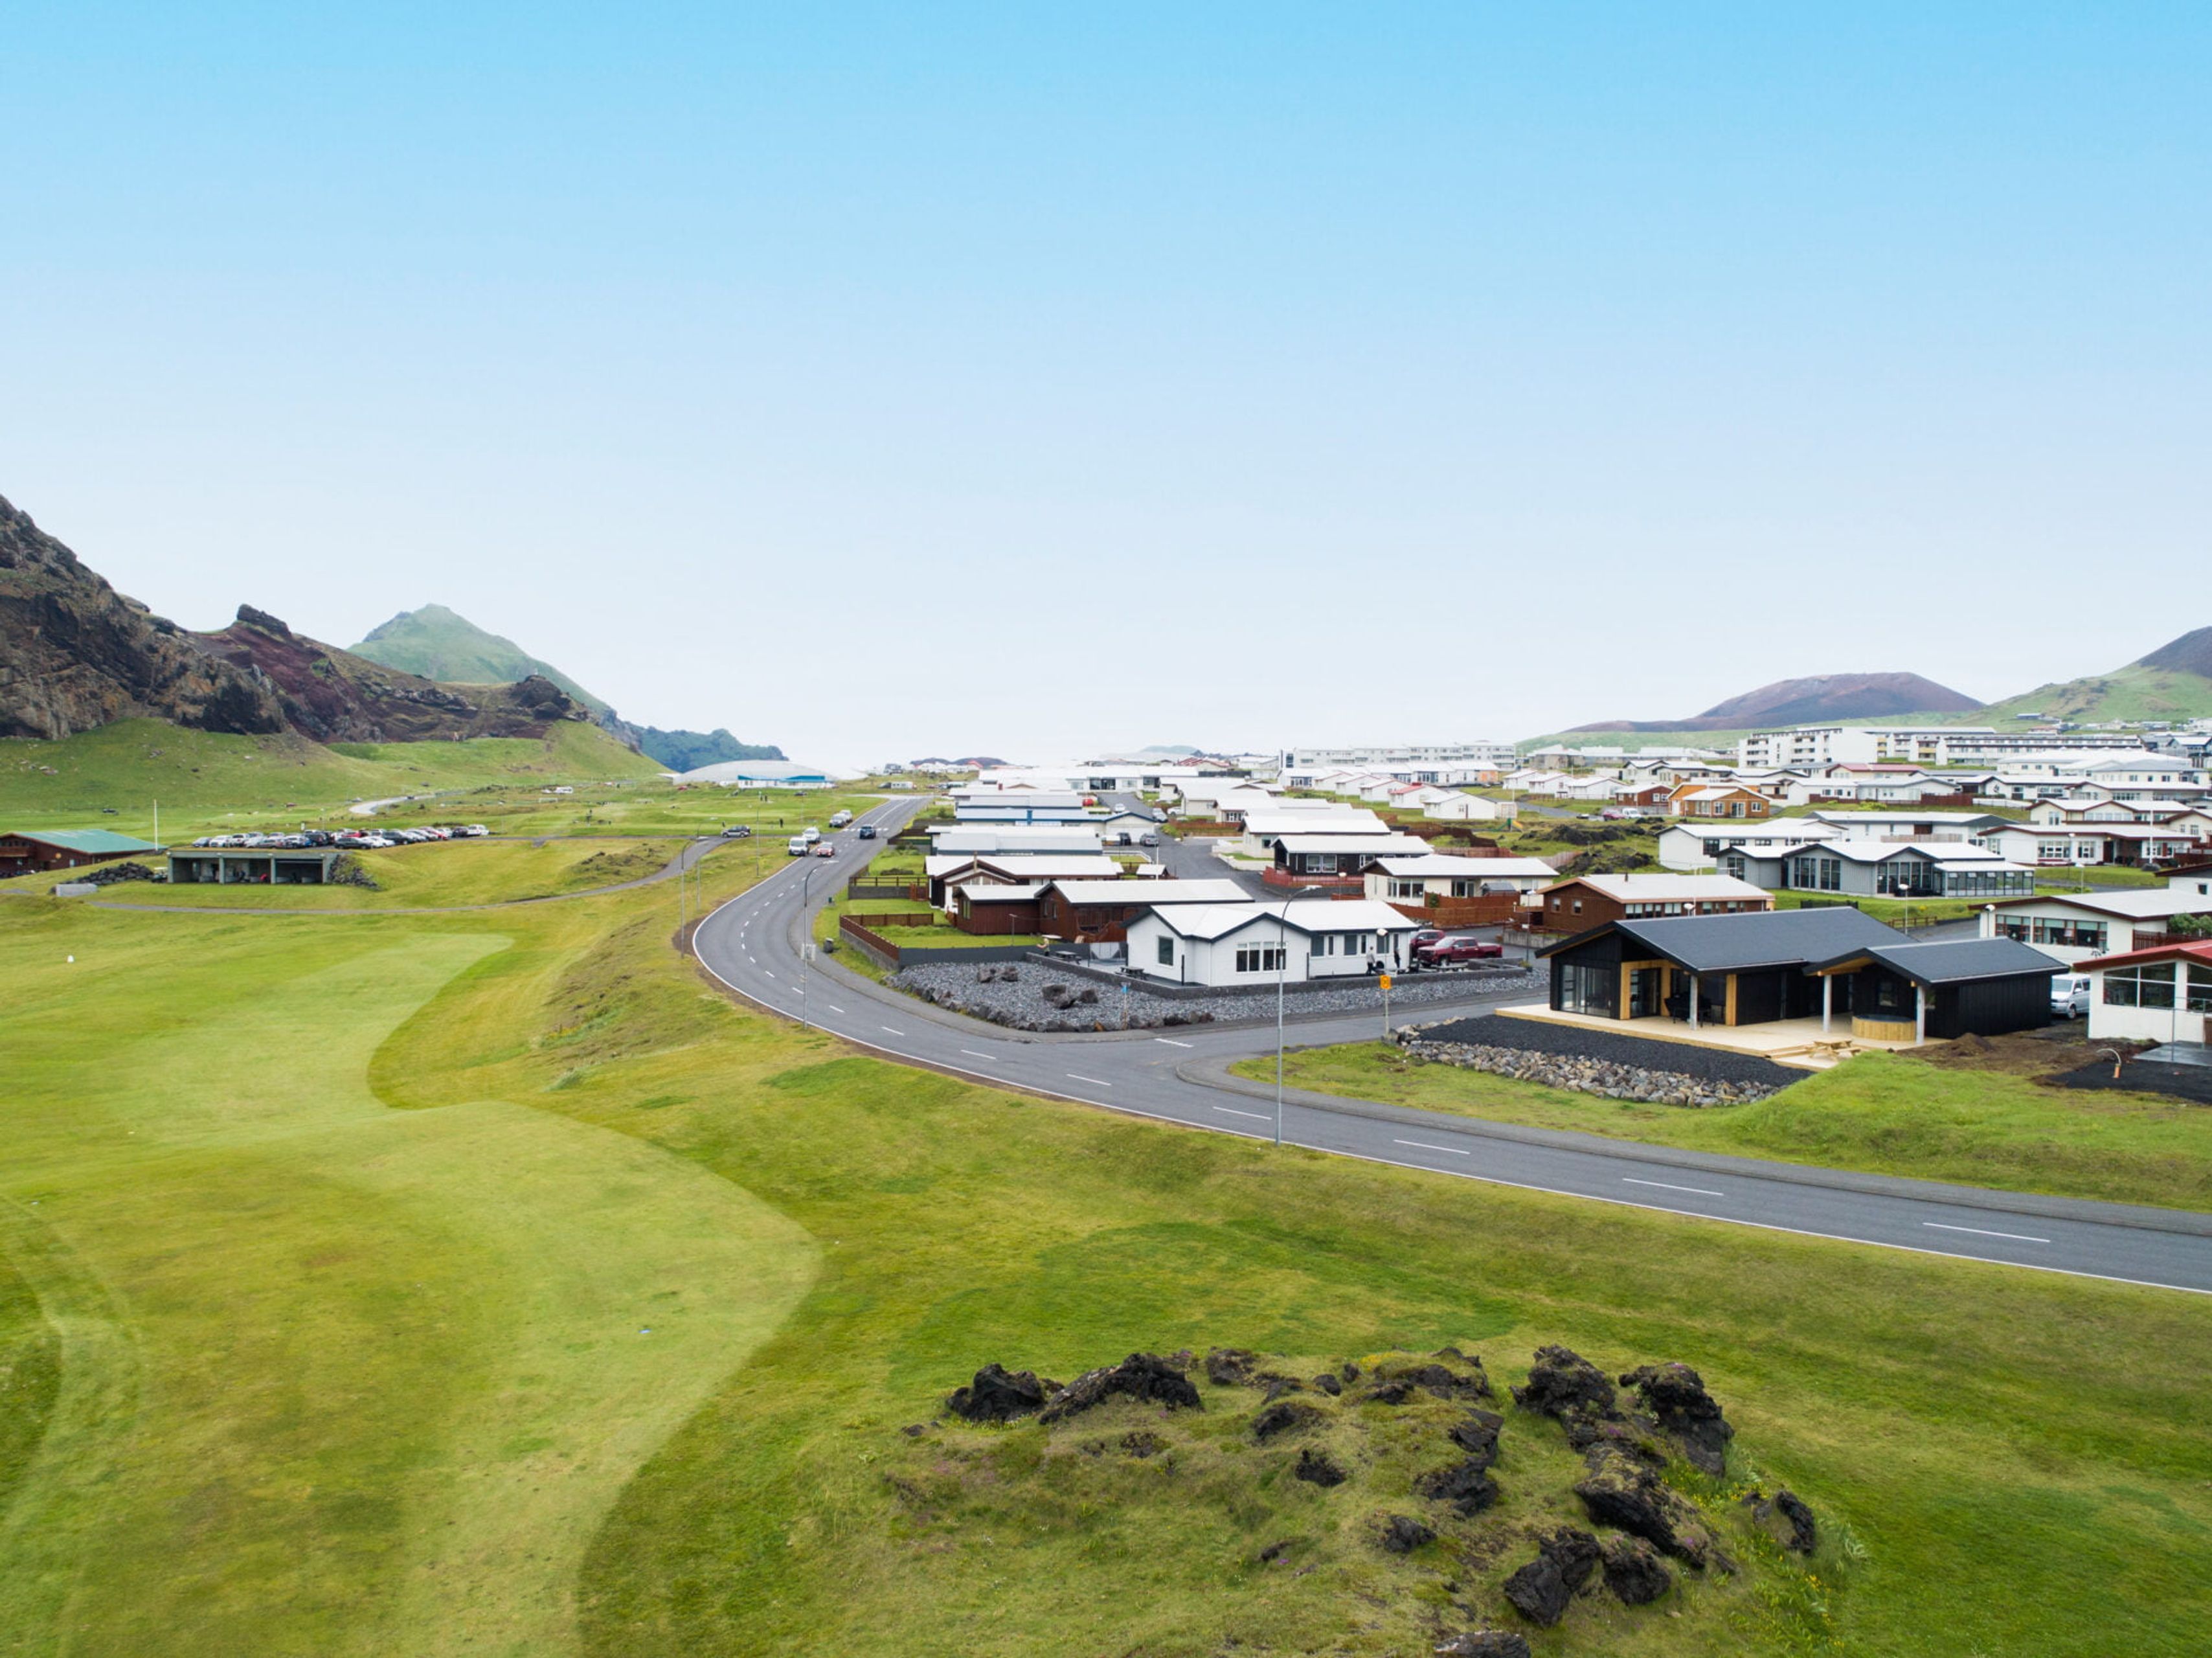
(751, 945)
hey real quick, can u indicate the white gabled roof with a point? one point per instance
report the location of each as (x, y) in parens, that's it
(1667, 889)
(1150, 891)
(992, 891)
(1443, 863)
(1380, 843)
(1308, 916)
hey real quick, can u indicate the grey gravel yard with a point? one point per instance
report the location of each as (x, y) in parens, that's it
(1022, 1005)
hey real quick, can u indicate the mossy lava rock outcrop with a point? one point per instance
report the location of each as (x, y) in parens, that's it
(1371, 1492)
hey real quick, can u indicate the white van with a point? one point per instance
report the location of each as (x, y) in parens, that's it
(798, 847)
(2070, 996)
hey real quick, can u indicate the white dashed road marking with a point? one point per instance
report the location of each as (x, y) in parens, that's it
(1702, 1192)
(1425, 1146)
(1096, 1081)
(1257, 1116)
(1983, 1232)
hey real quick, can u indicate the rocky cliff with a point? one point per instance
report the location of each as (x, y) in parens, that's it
(75, 654)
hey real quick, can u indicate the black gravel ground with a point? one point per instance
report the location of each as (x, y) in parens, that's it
(1707, 1064)
(2192, 1082)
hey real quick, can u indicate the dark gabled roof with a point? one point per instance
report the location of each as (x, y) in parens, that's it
(1958, 962)
(1772, 938)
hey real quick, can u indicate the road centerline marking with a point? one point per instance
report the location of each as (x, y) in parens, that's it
(893, 1033)
(1257, 1116)
(1665, 1185)
(972, 1054)
(1425, 1146)
(1170, 1041)
(1983, 1232)
(1100, 1081)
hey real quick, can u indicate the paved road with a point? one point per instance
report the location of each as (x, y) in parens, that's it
(751, 943)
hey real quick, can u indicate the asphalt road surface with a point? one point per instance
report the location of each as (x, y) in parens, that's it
(752, 945)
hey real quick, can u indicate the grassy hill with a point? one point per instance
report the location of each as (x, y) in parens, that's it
(198, 775)
(2137, 691)
(442, 644)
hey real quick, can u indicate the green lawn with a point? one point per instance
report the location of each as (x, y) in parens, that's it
(346, 1243)
(1884, 1113)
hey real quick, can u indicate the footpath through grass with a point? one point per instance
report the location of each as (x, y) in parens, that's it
(1882, 1113)
(347, 1244)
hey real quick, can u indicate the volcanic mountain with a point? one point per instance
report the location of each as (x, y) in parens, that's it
(1810, 701)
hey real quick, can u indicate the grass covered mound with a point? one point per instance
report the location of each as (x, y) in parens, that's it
(1391, 1502)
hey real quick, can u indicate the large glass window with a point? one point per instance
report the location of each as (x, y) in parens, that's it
(2154, 986)
(1259, 959)
(1589, 988)
(1167, 951)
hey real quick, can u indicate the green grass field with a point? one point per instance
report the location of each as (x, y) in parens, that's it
(206, 783)
(489, 1284)
(439, 873)
(1883, 1113)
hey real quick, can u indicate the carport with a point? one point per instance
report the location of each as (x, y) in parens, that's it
(254, 866)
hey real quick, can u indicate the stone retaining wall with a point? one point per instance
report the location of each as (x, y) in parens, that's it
(1604, 1078)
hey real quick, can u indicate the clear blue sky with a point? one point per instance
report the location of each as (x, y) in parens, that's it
(1268, 373)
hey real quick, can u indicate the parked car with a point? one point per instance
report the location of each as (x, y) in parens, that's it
(737, 831)
(1459, 947)
(1148, 839)
(2070, 996)
(825, 849)
(867, 831)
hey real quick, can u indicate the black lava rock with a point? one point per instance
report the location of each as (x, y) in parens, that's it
(1319, 1468)
(1000, 1395)
(1562, 1380)
(1146, 1377)
(1634, 1572)
(1541, 1590)
(1402, 1533)
(1621, 1491)
(1676, 1396)
(1478, 1436)
(1287, 1417)
(1466, 1485)
(1785, 1518)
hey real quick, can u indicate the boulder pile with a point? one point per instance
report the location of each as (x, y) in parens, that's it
(1606, 1078)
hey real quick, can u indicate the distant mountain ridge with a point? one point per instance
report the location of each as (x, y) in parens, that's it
(444, 644)
(2173, 683)
(76, 655)
(1812, 700)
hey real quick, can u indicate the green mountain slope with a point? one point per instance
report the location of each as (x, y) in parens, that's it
(442, 644)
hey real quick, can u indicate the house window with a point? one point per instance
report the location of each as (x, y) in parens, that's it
(1166, 948)
(1409, 889)
(1590, 989)
(1323, 944)
(1259, 959)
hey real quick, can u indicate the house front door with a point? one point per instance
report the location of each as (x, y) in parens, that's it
(1643, 993)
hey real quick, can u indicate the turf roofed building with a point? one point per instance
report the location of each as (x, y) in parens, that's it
(1752, 969)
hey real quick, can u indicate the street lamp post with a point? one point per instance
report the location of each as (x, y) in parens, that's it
(1282, 963)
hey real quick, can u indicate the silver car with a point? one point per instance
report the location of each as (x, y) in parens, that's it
(2070, 996)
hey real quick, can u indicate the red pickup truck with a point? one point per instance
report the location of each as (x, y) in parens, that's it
(1449, 951)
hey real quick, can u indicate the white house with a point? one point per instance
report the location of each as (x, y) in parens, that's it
(2075, 926)
(1698, 846)
(1253, 943)
(2086, 843)
(2157, 995)
(1263, 829)
(1907, 823)
(949, 837)
(1469, 809)
(1414, 879)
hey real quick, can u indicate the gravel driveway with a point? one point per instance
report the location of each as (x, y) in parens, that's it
(1022, 1005)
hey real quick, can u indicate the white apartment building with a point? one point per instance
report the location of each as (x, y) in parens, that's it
(1441, 763)
(1918, 744)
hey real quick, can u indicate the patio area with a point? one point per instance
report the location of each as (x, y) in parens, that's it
(1795, 1042)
